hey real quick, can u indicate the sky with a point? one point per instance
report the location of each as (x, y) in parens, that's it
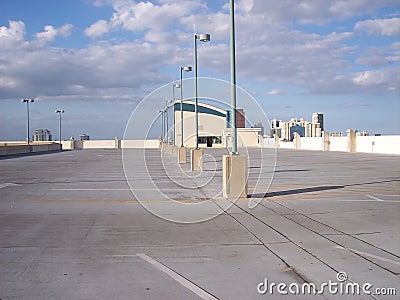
(98, 59)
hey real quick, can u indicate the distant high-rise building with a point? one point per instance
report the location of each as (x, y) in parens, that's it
(362, 133)
(240, 118)
(259, 125)
(318, 117)
(42, 135)
(286, 130)
(84, 137)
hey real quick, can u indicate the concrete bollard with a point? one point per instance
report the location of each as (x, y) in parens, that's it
(297, 141)
(117, 143)
(174, 150)
(234, 176)
(196, 158)
(182, 155)
(351, 141)
(327, 140)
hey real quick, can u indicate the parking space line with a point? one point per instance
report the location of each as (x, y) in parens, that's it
(375, 198)
(6, 184)
(180, 279)
(370, 255)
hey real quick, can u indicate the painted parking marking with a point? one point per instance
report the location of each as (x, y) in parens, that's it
(178, 278)
(374, 198)
(6, 184)
(127, 189)
(370, 255)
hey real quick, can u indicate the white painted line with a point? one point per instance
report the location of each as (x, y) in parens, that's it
(370, 255)
(375, 198)
(91, 189)
(392, 201)
(183, 281)
(6, 184)
(154, 189)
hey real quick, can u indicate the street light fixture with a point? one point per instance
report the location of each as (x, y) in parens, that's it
(27, 101)
(204, 37)
(166, 118)
(162, 124)
(233, 78)
(186, 69)
(174, 86)
(60, 111)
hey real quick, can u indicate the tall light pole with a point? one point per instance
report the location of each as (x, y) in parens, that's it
(204, 37)
(186, 69)
(162, 124)
(27, 101)
(60, 111)
(166, 118)
(233, 78)
(174, 86)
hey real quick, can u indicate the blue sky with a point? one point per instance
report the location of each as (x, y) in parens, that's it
(97, 59)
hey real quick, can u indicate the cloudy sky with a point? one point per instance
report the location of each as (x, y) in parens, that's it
(96, 59)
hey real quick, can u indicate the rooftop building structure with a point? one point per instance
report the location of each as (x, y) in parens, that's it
(286, 130)
(42, 135)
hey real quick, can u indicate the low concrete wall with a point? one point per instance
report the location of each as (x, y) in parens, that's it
(389, 144)
(312, 143)
(268, 143)
(338, 143)
(287, 145)
(19, 148)
(140, 144)
(109, 144)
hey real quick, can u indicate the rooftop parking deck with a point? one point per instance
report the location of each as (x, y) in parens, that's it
(71, 228)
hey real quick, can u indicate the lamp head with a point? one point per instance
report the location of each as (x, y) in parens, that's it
(204, 37)
(187, 68)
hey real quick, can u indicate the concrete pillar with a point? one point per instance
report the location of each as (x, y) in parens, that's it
(234, 176)
(117, 143)
(182, 155)
(351, 141)
(174, 150)
(276, 137)
(160, 142)
(169, 149)
(297, 141)
(72, 143)
(196, 158)
(327, 140)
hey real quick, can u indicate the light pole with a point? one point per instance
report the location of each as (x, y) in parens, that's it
(204, 37)
(162, 124)
(166, 118)
(233, 78)
(186, 69)
(60, 111)
(27, 101)
(174, 86)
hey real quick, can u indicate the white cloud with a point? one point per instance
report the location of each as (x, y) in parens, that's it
(275, 92)
(97, 29)
(316, 11)
(378, 56)
(388, 78)
(14, 34)
(387, 27)
(50, 33)
(269, 49)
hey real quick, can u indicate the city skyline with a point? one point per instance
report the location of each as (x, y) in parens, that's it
(98, 59)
